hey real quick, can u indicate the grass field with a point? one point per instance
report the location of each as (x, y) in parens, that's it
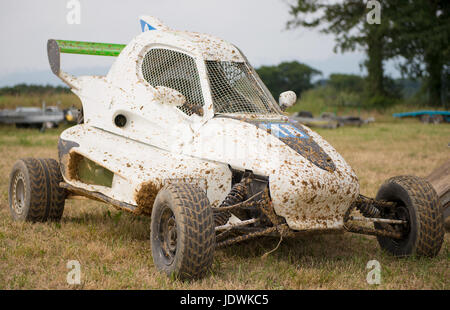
(63, 100)
(114, 248)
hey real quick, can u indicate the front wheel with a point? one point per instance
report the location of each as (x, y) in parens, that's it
(418, 204)
(182, 231)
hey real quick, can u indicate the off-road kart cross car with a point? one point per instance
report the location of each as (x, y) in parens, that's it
(183, 130)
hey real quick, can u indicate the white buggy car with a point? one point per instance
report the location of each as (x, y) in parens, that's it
(183, 130)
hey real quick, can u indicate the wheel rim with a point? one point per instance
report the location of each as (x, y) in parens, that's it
(167, 235)
(18, 193)
(402, 213)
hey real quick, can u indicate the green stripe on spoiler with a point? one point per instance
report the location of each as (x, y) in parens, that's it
(90, 48)
(56, 47)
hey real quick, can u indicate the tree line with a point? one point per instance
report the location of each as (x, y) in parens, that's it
(300, 77)
(293, 75)
(30, 89)
(416, 33)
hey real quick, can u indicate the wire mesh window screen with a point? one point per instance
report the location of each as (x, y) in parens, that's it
(163, 67)
(235, 90)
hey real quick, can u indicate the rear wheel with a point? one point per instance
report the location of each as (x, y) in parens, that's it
(418, 205)
(34, 192)
(182, 231)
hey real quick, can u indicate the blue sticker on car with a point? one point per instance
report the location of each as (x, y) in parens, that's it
(146, 26)
(284, 130)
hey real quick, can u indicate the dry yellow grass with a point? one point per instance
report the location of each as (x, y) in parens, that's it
(114, 249)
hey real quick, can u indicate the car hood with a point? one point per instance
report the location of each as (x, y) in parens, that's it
(310, 183)
(260, 145)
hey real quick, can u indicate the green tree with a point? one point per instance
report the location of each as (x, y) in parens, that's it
(347, 21)
(347, 82)
(415, 31)
(292, 75)
(420, 36)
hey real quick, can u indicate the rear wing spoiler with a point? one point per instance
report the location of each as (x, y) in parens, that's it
(56, 47)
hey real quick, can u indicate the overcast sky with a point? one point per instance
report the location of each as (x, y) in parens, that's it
(257, 27)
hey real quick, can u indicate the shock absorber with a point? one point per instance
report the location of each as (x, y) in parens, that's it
(237, 194)
(368, 209)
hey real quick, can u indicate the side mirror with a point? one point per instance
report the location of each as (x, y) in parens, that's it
(287, 99)
(169, 96)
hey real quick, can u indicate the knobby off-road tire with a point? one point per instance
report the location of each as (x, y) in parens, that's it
(34, 192)
(182, 231)
(425, 231)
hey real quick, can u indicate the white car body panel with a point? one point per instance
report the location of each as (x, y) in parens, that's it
(134, 164)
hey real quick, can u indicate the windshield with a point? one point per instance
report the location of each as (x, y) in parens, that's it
(235, 89)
